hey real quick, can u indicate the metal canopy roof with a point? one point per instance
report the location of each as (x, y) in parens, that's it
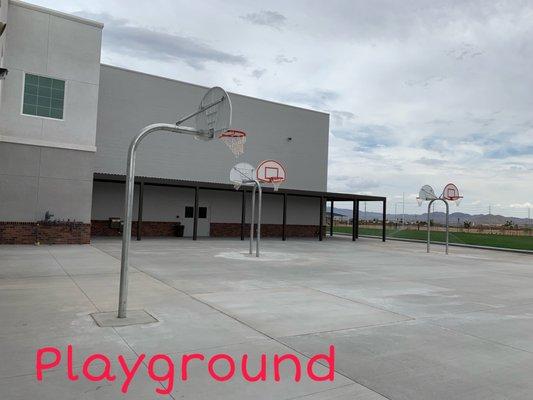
(328, 196)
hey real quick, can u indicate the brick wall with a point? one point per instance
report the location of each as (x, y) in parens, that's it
(80, 233)
(267, 230)
(44, 233)
(149, 228)
(154, 228)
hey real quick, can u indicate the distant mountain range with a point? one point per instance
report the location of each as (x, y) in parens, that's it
(456, 218)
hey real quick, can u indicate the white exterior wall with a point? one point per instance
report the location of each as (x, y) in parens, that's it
(3, 22)
(130, 100)
(56, 45)
(47, 164)
(303, 210)
(165, 204)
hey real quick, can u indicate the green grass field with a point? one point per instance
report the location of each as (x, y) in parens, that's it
(509, 242)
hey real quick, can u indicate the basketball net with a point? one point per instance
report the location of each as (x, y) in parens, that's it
(235, 140)
(276, 183)
(419, 201)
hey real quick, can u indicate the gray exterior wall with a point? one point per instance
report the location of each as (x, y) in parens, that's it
(34, 180)
(46, 164)
(128, 101)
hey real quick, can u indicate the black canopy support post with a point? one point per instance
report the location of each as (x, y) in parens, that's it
(140, 211)
(284, 228)
(356, 219)
(331, 213)
(384, 227)
(243, 212)
(321, 220)
(195, 223)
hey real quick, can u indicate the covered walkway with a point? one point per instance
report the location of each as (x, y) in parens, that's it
(332, 197)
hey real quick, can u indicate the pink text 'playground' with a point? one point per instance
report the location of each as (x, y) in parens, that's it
(162, 369)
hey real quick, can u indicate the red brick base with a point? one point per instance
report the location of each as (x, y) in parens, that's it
(267, 230)
(149, 228)
(154, 228)
(44, 233)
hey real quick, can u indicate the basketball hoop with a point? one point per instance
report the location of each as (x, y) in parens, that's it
(276, 183)
(242, 174)
(271, 171)
(235, 140)
(451, 193)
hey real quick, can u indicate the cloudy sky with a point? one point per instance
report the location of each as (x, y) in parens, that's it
(418, 91)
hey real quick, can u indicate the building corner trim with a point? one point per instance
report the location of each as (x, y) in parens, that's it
(45, 143)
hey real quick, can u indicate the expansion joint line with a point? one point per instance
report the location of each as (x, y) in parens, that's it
(241, 322)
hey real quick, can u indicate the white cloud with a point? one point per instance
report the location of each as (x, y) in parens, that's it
(269, 18)
(523, 205)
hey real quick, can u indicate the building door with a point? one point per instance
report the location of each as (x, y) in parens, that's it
(204, 221)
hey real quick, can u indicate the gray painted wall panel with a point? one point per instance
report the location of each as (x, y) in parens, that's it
(225, 206)
(108, 201)
(74, 50)
(79, 124)
(128, 101)
(26, 44)
(166, 203)
(39, 179)
(18, 197)
(65, 198)
(303, 210)
(58, 163)
(12, 123)
(19, 160)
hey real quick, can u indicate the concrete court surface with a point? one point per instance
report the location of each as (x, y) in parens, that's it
(405, 324)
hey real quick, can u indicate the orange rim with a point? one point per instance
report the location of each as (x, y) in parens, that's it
(233, 133)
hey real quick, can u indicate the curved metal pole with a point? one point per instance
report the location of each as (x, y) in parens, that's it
(128, 205)
(258, 238)
(447, 223)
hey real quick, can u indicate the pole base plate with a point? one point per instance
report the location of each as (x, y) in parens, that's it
(134, 317)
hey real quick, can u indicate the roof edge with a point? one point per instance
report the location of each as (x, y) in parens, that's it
(206, 87)
(57, 13)
(111, 177)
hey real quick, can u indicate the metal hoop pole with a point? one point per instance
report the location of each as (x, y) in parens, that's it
(257, 185)
(429, 225)
(258, 238)
(128, 205)
(252, 220)
(447, 223)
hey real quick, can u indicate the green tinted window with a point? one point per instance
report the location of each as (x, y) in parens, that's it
(43, 96)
